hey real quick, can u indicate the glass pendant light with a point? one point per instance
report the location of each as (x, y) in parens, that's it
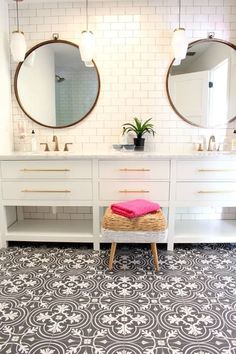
(18, 43)
(87, 43)
(179, 41)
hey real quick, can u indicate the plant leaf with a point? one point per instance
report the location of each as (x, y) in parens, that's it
(139, 127)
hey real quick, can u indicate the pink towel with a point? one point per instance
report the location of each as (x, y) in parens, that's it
(134, 208)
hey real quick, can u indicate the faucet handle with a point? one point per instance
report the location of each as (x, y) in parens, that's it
(220, 146)
(66, 146)
(46, 146)
(200, 147)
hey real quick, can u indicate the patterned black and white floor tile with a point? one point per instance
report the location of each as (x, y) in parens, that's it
(65, 301)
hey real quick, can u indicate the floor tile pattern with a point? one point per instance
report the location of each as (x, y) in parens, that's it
(65, 301)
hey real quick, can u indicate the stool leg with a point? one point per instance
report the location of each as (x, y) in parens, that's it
(112, 255)
(155, 256)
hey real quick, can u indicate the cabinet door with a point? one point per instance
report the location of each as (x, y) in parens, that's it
(130, 169)
(47, 190)
(47, 169)
(206, 191)
(124, 190)
(206, 170)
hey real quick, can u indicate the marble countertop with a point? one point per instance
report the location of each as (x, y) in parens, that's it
(117, 155)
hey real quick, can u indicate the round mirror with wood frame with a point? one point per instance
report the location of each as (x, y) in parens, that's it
(54, 87)
(202, 88)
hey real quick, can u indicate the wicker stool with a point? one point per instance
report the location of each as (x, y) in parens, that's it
(150, 228)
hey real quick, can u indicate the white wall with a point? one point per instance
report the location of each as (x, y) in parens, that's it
(133, 52)
(6, 134)
(211, 57)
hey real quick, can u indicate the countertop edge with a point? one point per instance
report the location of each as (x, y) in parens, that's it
(118, 156)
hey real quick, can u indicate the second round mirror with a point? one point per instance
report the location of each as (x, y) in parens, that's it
(202, 89)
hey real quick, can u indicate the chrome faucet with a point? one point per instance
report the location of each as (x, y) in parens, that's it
(211, 143)
(55, 140)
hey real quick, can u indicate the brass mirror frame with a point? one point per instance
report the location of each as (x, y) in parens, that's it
(168, 74)
(16, 79)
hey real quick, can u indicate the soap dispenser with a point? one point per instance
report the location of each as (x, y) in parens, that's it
(123, 137)
(33, 141)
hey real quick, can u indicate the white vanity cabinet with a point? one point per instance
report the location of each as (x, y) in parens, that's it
(97, 181)
(45, 183)
(204, 183)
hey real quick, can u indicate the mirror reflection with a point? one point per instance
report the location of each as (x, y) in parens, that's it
(202, 88)
(54, 87)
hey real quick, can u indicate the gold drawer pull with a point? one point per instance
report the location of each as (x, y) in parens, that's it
(212, 192)
(135, 169)
(218, 170)
(133, 191)
(44, 170)
(44, 191)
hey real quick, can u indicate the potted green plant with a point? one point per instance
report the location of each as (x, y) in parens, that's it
(139, 128)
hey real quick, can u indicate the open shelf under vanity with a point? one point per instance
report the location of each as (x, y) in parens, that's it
(51, 231)
(212, 231)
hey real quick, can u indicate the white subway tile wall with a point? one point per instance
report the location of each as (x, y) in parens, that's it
(82, 213)
(61, 213)
(133, 53)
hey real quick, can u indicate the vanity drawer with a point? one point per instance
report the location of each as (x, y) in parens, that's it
(124, 190)
(206, 170)
(134, 169)
(52, 190)
(46, 169)
(195, 191)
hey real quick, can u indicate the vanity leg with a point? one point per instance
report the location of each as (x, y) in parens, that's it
(96, 246)
(171, 229)
(96, 227)
(172, 208)
(3, 242)
(170, 246)
(3, 227)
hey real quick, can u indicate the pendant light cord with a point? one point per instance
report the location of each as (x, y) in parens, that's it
(179, 11)
(87, 15)
(17, 16)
